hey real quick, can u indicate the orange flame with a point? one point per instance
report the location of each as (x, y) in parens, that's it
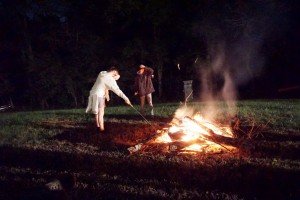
(195, 129)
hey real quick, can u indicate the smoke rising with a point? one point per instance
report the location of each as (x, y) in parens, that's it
(234, 50)
(235, 34)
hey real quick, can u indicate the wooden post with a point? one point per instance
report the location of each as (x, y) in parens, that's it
(188, 90)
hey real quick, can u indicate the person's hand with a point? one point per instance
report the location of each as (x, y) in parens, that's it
(128, 102)
(136, 93)
(107, 98)
(117, 77)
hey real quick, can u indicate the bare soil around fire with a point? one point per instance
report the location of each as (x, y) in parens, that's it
(266, 167)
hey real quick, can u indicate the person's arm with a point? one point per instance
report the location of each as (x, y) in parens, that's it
(113, 86)
(149, 71)
(136, 86)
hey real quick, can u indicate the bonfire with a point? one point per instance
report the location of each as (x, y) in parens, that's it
(192, 134)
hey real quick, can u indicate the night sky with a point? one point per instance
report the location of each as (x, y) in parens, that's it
(49, 48)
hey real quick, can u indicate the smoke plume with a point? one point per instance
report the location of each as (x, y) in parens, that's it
(235, 55)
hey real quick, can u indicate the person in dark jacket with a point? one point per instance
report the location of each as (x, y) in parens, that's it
(144, 87)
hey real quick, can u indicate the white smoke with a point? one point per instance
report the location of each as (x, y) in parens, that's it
(234, 51)
(234, 41)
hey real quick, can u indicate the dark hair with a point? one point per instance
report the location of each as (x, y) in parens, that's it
(113, 69)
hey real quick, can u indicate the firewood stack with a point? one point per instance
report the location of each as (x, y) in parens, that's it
(207, 139)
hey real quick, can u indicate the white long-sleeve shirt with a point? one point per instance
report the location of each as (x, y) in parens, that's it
(104, 82)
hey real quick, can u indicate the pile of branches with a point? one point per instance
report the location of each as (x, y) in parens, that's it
(244, 130)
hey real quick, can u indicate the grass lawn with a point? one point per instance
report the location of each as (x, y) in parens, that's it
(38, 147)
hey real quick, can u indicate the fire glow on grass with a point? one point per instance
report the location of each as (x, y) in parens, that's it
(197, 131)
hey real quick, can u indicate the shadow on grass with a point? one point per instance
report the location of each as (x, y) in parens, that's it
(110, 173)
(100, 176)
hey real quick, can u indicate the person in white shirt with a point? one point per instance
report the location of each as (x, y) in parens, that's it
(105, 81)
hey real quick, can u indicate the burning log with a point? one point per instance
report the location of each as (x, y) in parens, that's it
(220, 139)
(234, 142)
(209, 131)
(176, 136)
(177, 146)
(206, 127)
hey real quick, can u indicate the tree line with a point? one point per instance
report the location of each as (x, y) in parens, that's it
(51, 51)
